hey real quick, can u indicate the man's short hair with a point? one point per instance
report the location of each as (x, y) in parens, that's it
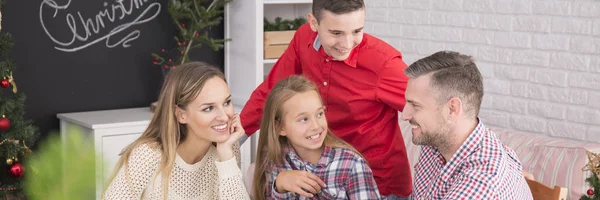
(336, 6)
(453, 75)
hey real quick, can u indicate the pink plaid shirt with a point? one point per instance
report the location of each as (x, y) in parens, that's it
(346, 174)
(482, 168)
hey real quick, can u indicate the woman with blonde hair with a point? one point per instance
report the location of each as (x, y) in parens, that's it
(301, 155)
(190, 149)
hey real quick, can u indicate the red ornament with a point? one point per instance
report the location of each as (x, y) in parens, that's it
(197, 34)
(170, 60)
(4, 83)
(156, 59)
(155, 63)
(4, 124)
(590, 192)
(166, 66)
(182, 53)
(162, 50)
(16, 170)
(183, 25)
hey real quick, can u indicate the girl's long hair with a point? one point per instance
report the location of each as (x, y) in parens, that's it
(270, 143)
(164, 132)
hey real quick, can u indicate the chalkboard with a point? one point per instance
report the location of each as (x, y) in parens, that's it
(84, 55)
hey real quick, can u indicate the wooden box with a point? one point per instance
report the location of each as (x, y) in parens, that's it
(276, 42)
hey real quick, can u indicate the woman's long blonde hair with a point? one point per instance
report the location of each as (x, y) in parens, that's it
(180, 88)
(272, 119)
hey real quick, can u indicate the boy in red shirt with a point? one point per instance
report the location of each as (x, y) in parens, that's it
(362, 82)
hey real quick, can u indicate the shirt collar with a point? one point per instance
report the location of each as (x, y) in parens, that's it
(350, 61)
(299, 164)
(471, 144)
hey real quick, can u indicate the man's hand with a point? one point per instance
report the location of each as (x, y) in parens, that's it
(301, 182)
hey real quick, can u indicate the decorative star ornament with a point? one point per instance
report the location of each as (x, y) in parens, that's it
(12, 81)
(593, 163)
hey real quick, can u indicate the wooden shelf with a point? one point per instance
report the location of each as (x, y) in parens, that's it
(269, 61)
(287, 1)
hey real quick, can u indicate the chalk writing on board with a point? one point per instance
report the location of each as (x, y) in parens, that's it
(104, 26)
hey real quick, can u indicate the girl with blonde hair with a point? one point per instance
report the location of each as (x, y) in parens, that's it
(190, 149)
(300, 156)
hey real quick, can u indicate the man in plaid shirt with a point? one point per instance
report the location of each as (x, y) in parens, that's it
(347, 175)
(460, 157)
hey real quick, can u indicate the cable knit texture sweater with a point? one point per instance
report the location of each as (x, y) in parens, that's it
(206, 179)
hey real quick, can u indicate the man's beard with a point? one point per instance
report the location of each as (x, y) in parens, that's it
(436, 138)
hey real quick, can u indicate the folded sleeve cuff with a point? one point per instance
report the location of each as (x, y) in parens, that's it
(228, 168)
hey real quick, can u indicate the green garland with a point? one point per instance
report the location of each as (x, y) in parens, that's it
(283, 24)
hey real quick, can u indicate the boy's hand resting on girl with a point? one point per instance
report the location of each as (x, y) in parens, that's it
(301, 182)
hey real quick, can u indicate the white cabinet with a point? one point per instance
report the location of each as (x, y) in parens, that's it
(110, 130)
(245, 66)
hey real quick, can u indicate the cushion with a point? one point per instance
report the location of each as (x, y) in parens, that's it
(552, 161)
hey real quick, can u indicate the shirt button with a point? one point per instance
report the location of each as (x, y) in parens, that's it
(325, 83)
(326, 60)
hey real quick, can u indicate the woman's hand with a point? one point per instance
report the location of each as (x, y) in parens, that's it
(225, 149)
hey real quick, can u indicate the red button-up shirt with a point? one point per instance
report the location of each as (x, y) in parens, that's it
(362, 95)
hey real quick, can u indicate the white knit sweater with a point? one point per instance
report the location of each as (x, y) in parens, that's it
(206, 179)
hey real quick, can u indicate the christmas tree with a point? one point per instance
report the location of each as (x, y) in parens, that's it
(16, 133)
(593, 166)
(192, 20)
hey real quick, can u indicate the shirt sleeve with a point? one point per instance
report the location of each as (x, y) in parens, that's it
(361, 184)
(473, 184)
(288, 64)
(231, 184)
(134, 177)
(392, 84)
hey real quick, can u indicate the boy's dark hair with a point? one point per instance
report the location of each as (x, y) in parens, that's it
(336, 6)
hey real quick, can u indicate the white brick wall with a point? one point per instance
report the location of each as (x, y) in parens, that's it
(540, 59)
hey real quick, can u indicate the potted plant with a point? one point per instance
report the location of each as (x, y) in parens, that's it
(193, 20)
